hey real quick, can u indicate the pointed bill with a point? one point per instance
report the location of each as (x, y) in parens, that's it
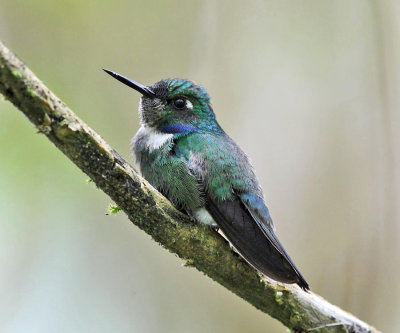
(146, 91)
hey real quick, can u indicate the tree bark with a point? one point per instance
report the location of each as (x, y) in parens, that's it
(200, 246)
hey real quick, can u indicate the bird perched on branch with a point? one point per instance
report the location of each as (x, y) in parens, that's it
(184, 153)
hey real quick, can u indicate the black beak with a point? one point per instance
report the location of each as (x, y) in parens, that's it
(146, 91)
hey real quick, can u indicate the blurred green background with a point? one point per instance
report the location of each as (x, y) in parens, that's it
(309, 89)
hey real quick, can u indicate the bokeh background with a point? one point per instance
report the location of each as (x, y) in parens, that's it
(309, 89)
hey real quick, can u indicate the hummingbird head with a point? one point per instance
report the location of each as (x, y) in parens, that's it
(173, 106)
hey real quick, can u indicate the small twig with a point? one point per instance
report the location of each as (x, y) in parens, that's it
(328, 325)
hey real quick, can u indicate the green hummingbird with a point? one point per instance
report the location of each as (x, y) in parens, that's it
(183, 152)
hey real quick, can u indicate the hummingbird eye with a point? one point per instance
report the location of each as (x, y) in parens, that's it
(179, 102)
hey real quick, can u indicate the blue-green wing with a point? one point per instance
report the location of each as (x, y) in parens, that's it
(234, 199)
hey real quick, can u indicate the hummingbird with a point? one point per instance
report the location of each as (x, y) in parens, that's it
(185, 154)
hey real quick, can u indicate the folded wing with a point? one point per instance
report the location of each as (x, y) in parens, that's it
(255, 241)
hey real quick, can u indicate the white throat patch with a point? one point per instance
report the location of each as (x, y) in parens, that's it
(153, 139)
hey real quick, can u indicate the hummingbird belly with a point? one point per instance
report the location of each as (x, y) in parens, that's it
(203, 216)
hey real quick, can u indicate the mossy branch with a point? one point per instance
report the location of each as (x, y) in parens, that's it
(201, 247)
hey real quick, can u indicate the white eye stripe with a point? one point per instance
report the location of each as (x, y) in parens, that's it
(189, 105)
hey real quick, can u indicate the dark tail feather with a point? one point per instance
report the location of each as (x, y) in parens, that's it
(269, 257)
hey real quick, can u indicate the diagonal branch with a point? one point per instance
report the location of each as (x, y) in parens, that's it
(150, 211)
